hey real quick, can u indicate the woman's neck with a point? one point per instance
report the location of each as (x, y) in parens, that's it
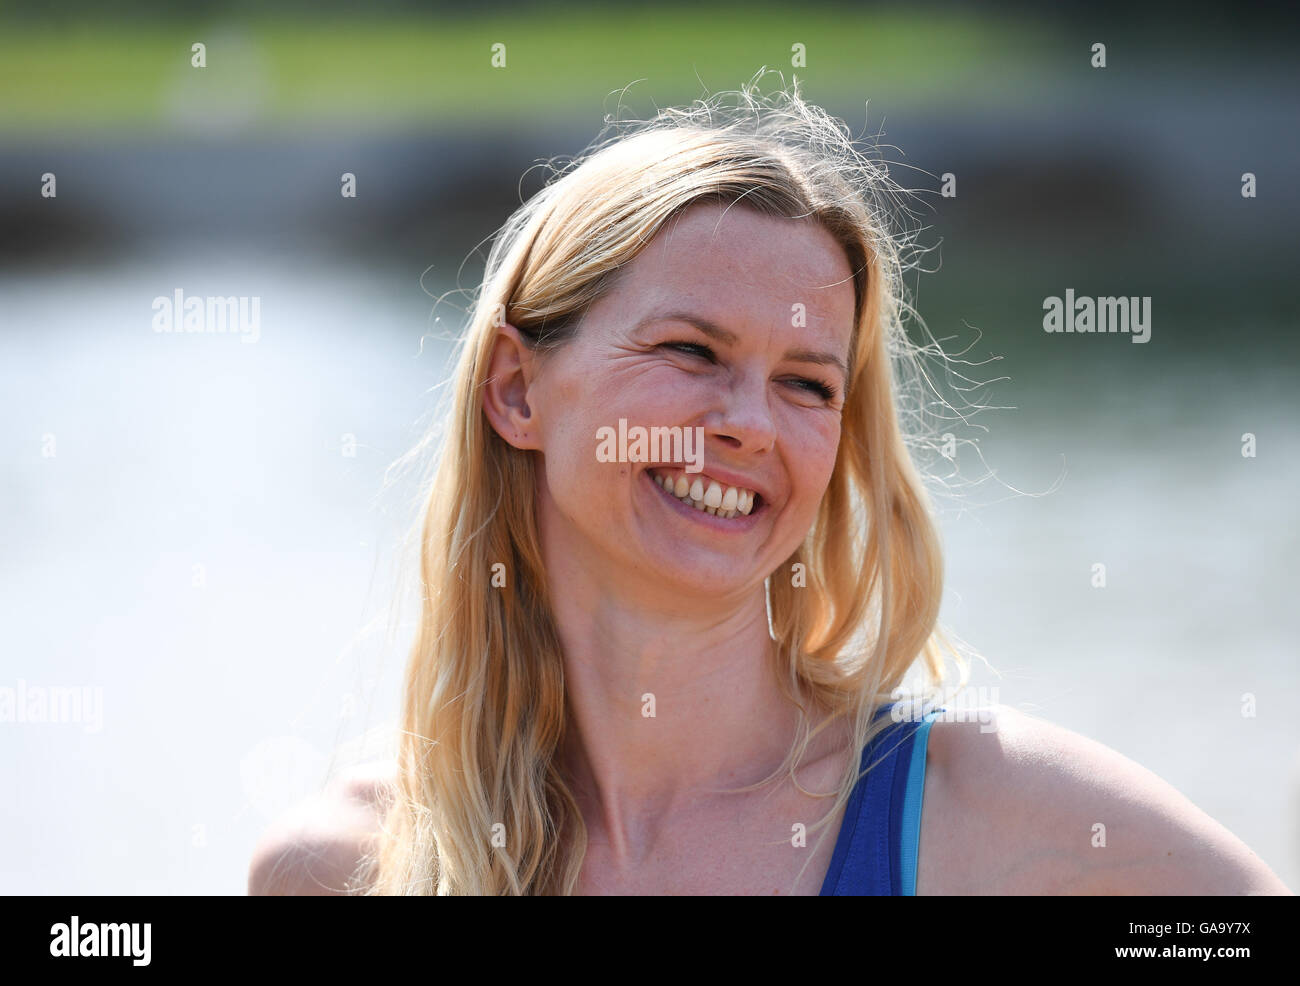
(664, 708)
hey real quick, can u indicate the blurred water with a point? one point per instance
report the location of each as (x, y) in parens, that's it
(1199, 546)
(200, 547)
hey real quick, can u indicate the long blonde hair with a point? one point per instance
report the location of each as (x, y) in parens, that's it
(483, 711)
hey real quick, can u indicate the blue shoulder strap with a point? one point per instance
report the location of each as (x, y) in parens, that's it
(876, 851)
(913, 796)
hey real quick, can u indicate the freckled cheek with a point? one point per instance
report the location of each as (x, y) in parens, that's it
(650, 395)
(815, 460)
(612, 392)
(575, 412)
(585, 487)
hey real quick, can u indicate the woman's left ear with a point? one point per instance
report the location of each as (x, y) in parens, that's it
(505, 391)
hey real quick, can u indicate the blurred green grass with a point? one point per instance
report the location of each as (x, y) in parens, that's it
(561, 61)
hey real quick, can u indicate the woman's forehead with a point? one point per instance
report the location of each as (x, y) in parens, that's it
(716, 260)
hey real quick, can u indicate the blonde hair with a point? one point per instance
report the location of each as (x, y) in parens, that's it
(483, 711)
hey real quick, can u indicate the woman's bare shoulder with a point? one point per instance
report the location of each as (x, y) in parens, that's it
(315, 848)
(1017, 805)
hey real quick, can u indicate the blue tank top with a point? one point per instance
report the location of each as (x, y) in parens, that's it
(876, 850)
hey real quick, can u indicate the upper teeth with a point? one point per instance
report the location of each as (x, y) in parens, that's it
(706, 494)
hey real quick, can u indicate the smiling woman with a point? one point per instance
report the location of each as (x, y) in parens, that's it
(635, 677)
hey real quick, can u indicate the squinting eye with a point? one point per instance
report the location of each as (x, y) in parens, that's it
(699, 350)
(822, 390)
(817, 387)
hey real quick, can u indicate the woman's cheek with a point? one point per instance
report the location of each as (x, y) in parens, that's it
(820, 475)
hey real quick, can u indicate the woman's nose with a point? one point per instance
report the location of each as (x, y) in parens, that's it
(744, 416)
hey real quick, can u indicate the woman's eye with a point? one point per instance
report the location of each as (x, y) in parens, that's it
(822, 390)
(693, 347)
(816, 387)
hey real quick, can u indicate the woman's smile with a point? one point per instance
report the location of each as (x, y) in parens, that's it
(738, 523)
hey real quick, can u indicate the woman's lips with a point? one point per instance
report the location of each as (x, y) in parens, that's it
(740, 523)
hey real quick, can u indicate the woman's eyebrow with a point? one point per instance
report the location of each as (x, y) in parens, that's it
(715, 331)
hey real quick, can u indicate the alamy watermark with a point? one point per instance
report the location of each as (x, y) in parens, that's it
(105, 940)
(655, 444)
(55, 704)
(968, 705)
(235, 315)
(1085, 314)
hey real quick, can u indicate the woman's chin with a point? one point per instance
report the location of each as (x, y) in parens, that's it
(702, 575)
